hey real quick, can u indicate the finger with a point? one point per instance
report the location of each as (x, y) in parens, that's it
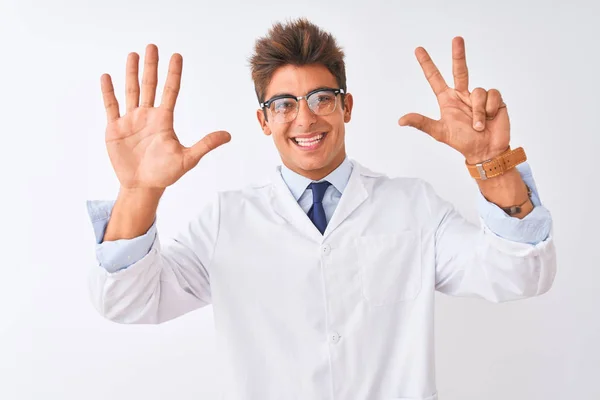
(431, 127)
(173, 82)
(150, 76)
(192, 155)
(493, 103)
(433, 75)
(478, 100)
(459, 65)
(132, 82)
(108, 95)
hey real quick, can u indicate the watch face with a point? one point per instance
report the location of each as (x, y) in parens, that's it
(512, 210)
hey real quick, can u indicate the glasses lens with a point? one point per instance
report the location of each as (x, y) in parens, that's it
(322, 103)
(283, 110)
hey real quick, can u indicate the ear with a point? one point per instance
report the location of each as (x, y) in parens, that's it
(260, 115)
(348, 103)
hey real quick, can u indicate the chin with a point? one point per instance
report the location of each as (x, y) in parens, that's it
(311, 165)
(312, 160)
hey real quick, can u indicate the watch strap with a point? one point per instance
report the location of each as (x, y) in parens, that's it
(497, 165)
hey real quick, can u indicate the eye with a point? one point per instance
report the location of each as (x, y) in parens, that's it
(322, 102)
(283, 105)
(324, 97)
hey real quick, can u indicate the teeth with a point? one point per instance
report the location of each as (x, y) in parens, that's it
(308, 142)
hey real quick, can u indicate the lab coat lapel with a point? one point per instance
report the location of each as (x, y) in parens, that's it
(354, 195)
(286, 206)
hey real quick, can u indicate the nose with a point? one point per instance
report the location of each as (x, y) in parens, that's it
(305, 117)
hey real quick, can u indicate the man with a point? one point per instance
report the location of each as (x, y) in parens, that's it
(322, 281)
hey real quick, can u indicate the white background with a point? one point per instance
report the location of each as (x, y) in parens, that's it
(543, 59)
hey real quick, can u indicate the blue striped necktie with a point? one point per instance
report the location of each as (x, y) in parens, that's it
(317, 212)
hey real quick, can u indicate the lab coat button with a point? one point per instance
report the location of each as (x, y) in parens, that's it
(326, 249)
(334, 337)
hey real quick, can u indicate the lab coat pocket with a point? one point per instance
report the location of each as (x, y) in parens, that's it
(390, 267)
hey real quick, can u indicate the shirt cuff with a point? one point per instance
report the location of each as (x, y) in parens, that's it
(534, 228)
(117, 254)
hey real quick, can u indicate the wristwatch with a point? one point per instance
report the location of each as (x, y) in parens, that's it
(498, 165)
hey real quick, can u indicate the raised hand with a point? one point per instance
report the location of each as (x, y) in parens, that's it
(474, 123)
(142, 145)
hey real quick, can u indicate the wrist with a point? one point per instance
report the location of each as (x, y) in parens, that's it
(506, 191)
(140, 200)
(133, 213)
(141, 194)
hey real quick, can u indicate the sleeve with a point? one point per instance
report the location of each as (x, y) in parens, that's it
(118, 254)
(472, 261)
(532, 229)
(170, 280)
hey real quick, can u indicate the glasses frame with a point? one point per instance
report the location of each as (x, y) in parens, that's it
(265, 105)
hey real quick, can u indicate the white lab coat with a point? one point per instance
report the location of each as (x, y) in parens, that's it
(347, 315)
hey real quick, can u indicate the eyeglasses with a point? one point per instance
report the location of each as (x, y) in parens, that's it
(285, 108)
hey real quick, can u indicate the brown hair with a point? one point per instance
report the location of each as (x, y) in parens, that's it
(298, 42)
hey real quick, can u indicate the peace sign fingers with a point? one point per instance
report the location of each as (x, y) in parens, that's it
(432, 73)
(459, 65)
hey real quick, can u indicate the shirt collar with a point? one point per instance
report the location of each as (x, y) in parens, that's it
(297, 183)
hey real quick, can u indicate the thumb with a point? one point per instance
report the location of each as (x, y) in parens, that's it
(422, 123)
(192, 155)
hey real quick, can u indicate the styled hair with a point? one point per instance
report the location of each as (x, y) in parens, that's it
(298, 42)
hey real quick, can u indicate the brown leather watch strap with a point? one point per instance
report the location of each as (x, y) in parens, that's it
(497, 165)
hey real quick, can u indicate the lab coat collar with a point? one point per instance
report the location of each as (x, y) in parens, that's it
(286, 206)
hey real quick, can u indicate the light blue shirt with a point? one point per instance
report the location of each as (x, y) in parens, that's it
(533, 228)
(298, 185)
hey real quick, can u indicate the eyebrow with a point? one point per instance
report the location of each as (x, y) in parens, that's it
(310, 91)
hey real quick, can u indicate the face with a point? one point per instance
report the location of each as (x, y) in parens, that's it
(316, 159)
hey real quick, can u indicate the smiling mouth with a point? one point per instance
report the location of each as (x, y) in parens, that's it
(309, 142)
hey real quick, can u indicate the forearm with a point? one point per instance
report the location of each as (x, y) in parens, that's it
(507, 190)
(133, 213)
